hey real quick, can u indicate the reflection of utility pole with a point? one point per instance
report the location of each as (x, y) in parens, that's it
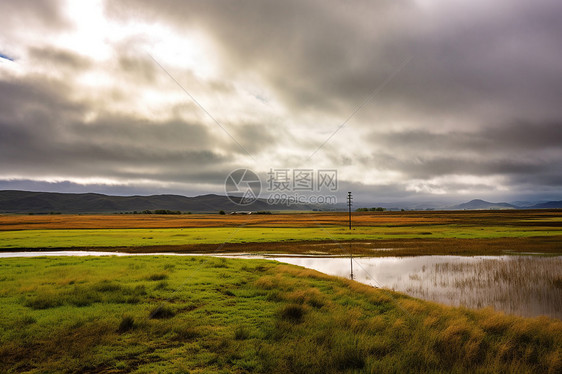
(349, 199)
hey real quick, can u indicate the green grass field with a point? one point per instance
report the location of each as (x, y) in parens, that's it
(200, 314)
(77, 238)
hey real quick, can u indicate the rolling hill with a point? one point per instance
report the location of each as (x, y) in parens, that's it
(44, 202)
(548, 205)
(12, 201)
(478, 204)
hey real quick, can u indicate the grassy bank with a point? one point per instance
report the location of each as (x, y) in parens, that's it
(198, 314)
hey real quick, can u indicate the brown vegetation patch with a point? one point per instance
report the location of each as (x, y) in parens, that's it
(535, 218)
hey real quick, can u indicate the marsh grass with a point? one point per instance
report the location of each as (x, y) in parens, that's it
(162, 285)
(520, 285)
(85, 295)
(277, 319)
(241, 333)
(293, 313)
(158, 277)
(127, 323)
(161, 312)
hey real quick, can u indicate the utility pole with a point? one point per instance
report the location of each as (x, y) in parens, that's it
(349, 199)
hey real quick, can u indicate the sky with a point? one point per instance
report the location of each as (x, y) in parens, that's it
(409, 100)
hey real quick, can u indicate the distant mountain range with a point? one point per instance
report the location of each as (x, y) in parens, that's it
(45, 202)
(478, 204)
(548, 205)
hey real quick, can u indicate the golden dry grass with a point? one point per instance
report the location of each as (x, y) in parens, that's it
(71, 221)
(543, 218)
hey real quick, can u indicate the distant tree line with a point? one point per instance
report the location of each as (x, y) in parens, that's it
(377, 209)
(42, 213)
(222, 212)
(157, 211)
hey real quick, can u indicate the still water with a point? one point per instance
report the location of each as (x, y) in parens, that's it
(522, 285)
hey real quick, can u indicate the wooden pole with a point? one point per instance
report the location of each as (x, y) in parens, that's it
(349, 198)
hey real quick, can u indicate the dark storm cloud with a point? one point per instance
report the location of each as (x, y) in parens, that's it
(255, 137)
(552, 179)
(122, 131)
(516, 150)
(303, 48)
(42, 133)
(420, 167)
(330, 55)
(31, 107)
(480, 96)
(519, 136)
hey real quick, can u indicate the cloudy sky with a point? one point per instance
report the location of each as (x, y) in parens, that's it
(409, 100)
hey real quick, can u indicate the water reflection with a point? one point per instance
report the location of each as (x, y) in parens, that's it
(523, 285)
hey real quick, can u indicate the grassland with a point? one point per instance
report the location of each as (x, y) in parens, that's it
(409, 233)
(511, 218)
(199, 314)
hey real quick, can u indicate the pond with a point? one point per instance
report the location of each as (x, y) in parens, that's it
(523, 285)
